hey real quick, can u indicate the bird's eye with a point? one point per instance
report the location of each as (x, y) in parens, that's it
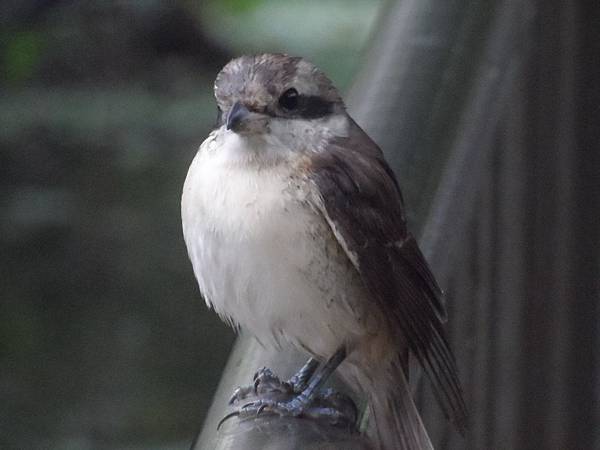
(289, 99)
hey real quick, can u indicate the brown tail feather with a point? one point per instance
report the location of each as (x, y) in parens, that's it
(394, 422)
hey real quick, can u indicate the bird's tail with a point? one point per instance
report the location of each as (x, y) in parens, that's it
(394, 422)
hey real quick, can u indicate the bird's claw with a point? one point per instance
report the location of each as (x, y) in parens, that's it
(246, 411)
(264, 382)
(291, 408)
(329, 406)
(226, 418)
(268, 394)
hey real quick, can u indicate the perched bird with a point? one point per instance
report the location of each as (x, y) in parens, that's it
(295, 227)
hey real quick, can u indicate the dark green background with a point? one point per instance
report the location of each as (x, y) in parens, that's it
(104, 340)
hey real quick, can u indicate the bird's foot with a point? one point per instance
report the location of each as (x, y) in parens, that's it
(328, 405)
(300, 396)
(265, 382)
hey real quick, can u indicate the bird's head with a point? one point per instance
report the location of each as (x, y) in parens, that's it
(274, 94)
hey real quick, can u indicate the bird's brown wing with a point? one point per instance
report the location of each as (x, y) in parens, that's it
(358, 195)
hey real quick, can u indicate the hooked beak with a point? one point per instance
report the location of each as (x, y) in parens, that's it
(236, 115)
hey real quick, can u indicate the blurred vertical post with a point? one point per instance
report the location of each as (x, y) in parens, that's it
(484, 111)
(511, 233)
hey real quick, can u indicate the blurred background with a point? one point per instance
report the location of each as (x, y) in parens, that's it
(487, 110)
(105, 342)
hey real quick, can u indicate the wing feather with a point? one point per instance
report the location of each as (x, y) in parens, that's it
(360, 199)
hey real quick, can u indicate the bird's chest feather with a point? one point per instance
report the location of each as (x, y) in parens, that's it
(263, 257)
(229, 211)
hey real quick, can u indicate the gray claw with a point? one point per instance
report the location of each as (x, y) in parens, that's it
(259, 372)
(227, 417)
(240, 393)
(265, 382)
(256, 383)
(260, 409)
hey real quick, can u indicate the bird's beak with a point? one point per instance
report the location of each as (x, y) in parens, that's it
(236, 115)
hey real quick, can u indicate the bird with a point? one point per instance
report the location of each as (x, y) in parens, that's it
(296, 230)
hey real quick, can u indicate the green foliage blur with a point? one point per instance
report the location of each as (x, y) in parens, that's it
(105, 342)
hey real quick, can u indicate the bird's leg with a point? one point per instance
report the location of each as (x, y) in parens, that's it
(300, 379)
(265, 382)
(308, 399)
(318, 379)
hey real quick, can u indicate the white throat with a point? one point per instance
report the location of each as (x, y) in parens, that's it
(285, 140)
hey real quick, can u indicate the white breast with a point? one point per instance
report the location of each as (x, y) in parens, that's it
(262, 256)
